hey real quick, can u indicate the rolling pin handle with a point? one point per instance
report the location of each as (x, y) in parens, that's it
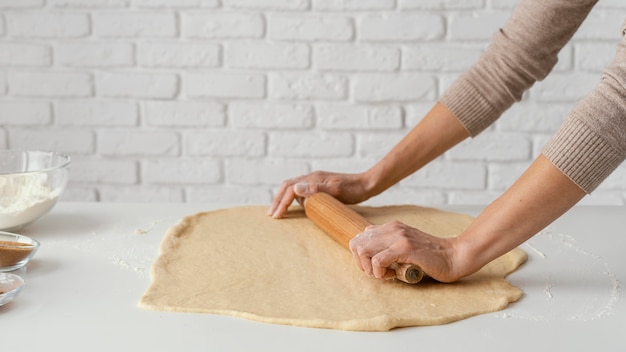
(409, 273)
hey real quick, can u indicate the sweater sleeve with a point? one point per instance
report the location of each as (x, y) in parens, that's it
(591, 143)
(522, 52)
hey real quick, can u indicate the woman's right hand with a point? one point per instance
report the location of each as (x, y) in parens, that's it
(348, 188)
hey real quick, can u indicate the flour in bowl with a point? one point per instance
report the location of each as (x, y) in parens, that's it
(24, 198)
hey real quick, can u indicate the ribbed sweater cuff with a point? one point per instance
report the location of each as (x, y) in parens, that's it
(581, 154)
(467, 103)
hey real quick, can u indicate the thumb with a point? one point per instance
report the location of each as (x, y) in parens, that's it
(304, 189)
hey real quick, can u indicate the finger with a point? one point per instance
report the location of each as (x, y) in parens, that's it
(307, 189)
(284, 203)
(361, 253)
(278, 197)
(380, 266)
(353, 244)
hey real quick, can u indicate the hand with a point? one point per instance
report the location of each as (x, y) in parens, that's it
(380, 246)
(348, 188)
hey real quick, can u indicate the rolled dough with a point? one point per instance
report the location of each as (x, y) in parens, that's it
(243, 263)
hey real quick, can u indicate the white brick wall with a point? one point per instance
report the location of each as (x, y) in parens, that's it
(220, 100)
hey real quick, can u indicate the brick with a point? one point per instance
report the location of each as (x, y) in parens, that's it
(131, 24)
(271, 115)
(308, 86)
(531, 117)
(503, 4)
(96, 113)
(481, 197)
(400, 27)
(564, 87)
(25, 113)
(602, 198)
(343, 164)
(98, 170)
(601, 24)
(226, 195)
(539, 141)
(316, 145)
(565, 59)
(94, 54)
(90, 3)
(140, 194)
(224, 85)
(3, 83)
(225, 143)
(447, 175)
(131, 142)
(414, 113)
(65, 140)
(610, 4)
(263, 172)
(440, 4)
(267, 4)
(440, 57)
(493, 147)
(309, 28)
(353, 5)
(179, 54)
(502, 175)
(185, 170)
(137, 84)
(23, 54)
(344, 57)
(476, 25)
(377, 145)
(408, 195)
(222, 25)
(183, 114)
(166, 4)
(75, 193)
(267, 55)
(594, 57)
(51, 84)
(394, 87)
(350, 116)
(47, 24)
(9, 4)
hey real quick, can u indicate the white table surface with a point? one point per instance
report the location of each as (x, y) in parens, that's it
(83, 286)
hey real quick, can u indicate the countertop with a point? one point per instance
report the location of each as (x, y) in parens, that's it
(84, 283)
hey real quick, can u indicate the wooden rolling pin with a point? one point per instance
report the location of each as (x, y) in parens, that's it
(342, 224)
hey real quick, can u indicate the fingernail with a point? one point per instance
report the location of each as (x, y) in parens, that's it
(300, 188)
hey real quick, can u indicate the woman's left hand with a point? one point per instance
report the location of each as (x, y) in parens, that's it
(380, 246)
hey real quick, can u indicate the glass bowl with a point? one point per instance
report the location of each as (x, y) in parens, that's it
(10, 287)
(31, 182)
(15, 250)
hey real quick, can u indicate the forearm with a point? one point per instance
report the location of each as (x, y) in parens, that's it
(522, 52)
(437, 132)
(541, 195)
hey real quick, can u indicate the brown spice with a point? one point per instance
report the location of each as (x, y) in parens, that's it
(13, 252)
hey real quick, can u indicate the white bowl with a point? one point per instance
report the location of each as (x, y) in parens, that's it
(31, 182)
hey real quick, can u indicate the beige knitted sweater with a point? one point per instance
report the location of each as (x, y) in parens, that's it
(591, 143)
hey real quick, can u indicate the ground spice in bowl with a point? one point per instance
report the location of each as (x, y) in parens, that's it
(15, 250)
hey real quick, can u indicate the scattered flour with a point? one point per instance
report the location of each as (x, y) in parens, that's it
(24, 198)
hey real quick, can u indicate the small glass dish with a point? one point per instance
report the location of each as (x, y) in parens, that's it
(10, 287)
(15, 250)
